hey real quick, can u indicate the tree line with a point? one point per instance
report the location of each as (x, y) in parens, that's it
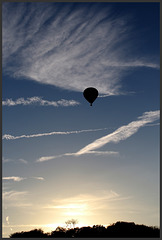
(117, 230)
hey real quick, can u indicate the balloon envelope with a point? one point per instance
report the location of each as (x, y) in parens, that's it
(90, 94)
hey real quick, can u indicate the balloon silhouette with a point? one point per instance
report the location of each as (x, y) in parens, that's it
(90, 94)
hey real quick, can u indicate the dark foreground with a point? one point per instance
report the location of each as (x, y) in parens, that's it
(117, 230)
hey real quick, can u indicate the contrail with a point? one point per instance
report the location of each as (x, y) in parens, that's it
(120, 134)
(11, 137)
(123, 132)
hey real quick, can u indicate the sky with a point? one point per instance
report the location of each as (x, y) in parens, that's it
(63, 158)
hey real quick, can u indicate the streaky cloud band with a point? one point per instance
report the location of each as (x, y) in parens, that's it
(120, 134)
(14, 178)
(11, 137)
(123, 132)
(18, 179)
(47, 158)
(39, 101)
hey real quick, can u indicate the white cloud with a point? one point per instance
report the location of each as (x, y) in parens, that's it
(73, 50)
(13, 194)
(39, 101)
(11, 137)
(15, 198)
(15, 179)
(7, 220)
(5, 160)
(123, 132)
(120, 134)
(101, 153)
(86, 204)
(18, 179)
(39, 178)
(23, 161)
(81, 198)
(47, 158)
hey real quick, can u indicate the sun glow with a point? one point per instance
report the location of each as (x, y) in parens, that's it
(74, 209)
(73, 213)
(52, 226)
(72, 206)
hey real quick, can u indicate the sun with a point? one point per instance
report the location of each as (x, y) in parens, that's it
(73, 209)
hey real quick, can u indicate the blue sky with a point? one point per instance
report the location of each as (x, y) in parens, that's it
(63, 159)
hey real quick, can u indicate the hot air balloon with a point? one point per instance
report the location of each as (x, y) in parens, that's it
(90, 94)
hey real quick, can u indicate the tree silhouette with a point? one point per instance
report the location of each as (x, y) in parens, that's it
(117, 230)
(71, 223)
(59, 232)
(36, 233)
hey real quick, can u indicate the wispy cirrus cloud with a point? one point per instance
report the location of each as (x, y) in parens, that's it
(86, 204)
(15, 198)
(11, 137)
(23, 161)
(120, 134)
(39, 101)
(71, 48)
(47, 158)
(15, 179)
(6, 160)
(39, 178)
(18, 179)
(101, 153)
